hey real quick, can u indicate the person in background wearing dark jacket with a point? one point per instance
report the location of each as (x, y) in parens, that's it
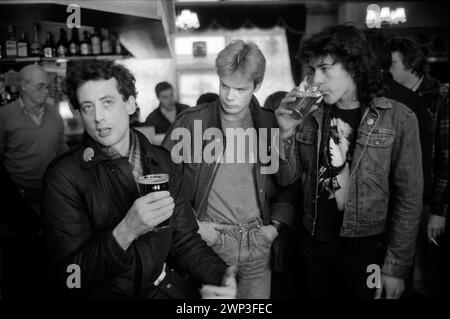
(166, 112)
(208, 97)
(95, 223)
(239, 207)
(355, 154)
(379, 44)
(408, 68)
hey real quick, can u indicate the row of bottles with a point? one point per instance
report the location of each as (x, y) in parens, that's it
(98, 43)
(9, 92)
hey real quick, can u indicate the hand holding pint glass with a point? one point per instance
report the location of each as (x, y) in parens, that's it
(154, 183)
(150, 212)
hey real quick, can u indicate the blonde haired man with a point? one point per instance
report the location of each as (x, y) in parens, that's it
(240, 210)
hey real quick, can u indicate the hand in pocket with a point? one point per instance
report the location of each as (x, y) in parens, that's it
(269, 232)
(208, 233)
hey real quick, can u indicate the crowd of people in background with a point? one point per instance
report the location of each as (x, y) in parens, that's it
(362, 181)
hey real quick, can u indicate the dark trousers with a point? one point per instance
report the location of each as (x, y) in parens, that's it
(338, 270)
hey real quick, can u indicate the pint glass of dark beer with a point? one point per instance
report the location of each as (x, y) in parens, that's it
(154, 183)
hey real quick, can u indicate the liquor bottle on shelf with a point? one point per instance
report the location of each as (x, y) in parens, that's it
(35, 47)
(22, 47)
(61, 45)
(14, 92)
(96, 43)
(11, 44)
(85, 45)
(74, 44)
(49, 47)
(5, 97)
(117, 45)
(106, 43)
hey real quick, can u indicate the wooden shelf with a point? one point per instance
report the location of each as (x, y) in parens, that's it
(66, 59)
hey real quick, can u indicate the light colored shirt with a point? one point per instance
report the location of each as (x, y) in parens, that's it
(233, 197)
(416, 87)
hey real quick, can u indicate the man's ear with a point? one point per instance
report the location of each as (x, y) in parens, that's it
(257, 87)
(131, 105)
(23, 84)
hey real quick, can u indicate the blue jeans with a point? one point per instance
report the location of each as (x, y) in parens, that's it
(247, 246)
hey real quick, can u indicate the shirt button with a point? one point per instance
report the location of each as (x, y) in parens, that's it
(377, 142)
(370, 122)
(169, 286)
(261, 190)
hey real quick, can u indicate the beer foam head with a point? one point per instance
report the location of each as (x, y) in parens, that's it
(153, 179)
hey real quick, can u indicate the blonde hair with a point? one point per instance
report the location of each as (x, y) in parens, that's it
(246, 58)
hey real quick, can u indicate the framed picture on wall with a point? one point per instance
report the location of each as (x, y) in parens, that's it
(199, 48)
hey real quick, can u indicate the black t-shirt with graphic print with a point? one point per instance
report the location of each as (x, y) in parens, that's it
(335, 158)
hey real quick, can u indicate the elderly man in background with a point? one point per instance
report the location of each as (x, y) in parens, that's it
(31, 134)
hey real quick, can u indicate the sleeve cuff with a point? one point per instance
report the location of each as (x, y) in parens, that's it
(439, 209)
(122, 258)
(395, 270)
(283, 212)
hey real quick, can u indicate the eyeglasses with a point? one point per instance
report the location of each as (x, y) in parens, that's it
(42, 86)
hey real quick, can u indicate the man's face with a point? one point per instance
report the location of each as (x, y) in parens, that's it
(236, 92)
(104, 113)
(335, 83)
(36, 87)
(398, 70)
(167, 98)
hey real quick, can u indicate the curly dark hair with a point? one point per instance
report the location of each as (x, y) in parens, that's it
(412, 54)
(347, 45)
(83, 71)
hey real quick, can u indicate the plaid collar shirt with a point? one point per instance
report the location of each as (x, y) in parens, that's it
(134, 155)
(437, 94)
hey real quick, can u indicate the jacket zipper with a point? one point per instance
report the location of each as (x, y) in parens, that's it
(319, 141)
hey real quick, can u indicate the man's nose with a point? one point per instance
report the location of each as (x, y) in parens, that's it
(230, 94)
(317, 77)
(99, 113)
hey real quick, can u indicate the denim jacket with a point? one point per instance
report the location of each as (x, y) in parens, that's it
(386, 178)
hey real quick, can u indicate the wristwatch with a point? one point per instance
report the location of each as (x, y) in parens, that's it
(278, 225)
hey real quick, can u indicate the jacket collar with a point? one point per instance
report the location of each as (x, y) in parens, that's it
(376, 103)
(380, 103)
(92, 153)
(177, 107)
(255, 110)
(429, 86)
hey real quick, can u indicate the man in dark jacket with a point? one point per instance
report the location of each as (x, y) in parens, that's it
(100, 234)
(238, 204)
(164, 115)
(379, 45)
(409, 69)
